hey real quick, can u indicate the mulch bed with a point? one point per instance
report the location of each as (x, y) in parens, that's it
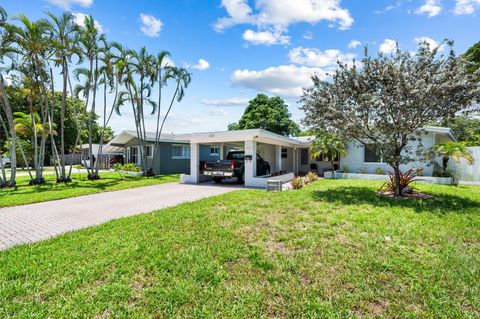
(413, 195)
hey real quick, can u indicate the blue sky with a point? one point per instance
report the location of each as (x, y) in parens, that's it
(238, 48)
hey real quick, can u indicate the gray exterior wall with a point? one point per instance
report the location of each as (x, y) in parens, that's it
(164, 163)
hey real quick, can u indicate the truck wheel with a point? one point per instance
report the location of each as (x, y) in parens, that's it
(217, 180)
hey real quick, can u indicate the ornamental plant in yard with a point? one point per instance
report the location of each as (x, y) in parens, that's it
(328, 145)
(384, 101)
(452, 149)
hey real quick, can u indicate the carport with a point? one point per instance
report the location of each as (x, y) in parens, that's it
(279, 151)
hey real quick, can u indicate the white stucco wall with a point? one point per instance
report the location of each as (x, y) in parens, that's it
(354, 160)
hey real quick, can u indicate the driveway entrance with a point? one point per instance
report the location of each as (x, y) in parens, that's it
(35, 222)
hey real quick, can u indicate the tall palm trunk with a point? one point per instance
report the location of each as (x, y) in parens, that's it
(158, 132)
(13, 135)
(106, 119)
(3, 181)
(63, 177)
(50, 116)
(92, 175)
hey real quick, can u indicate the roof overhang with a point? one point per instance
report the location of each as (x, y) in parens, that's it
(258, 135)
(440, 130)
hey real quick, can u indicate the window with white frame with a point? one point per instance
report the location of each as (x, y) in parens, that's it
(214, 150)
(149, 151)
(284, 152)
(180, 151)
(133, 155)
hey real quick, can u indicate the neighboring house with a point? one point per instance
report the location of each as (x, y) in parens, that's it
(109, 152)
(182, 153)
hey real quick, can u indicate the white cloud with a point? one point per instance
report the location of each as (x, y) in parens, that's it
(318, 58)
(354, 44)
(430, 7)
(202, 65)
(67, 4)
(308, 35)
(151, 26)
(284, 80)
(431, 43)
(388, 46)
(265, 37)
(79, 19)
(466, 7)
(235, 101)
(278, 15)
(216, 112)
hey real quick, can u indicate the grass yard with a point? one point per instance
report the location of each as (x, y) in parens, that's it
(331, 250)
(24, 194)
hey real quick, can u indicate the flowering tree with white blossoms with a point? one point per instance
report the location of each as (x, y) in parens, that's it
(384, 101)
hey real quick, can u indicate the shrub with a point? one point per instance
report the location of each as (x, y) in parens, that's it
(130, 167)
(297, 182)
(362, 170)
(345, 169)
(419, 171)
(311, 177)
(379, 171)
(405, 179)
(442, 174)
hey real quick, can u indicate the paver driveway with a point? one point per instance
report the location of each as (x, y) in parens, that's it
(34, 222)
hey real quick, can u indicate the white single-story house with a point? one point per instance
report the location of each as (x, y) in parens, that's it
(361, 159)
(288, 156)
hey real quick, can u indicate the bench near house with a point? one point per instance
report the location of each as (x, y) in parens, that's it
(288, 156)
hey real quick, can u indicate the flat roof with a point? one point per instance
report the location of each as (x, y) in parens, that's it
(259, 135)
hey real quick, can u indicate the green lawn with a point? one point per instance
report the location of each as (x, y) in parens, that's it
(319, 252)
(24, 194)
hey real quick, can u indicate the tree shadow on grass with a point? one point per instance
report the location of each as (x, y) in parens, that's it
(439, 204)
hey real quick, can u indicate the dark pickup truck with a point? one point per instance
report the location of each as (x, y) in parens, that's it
(233, 166)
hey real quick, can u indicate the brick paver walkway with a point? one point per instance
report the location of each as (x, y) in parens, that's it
(35, 222)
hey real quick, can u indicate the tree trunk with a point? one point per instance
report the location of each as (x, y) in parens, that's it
(445, 163)
(92, 174)
(13, 135)
(159, 108)
(398, 185)
(63, 177)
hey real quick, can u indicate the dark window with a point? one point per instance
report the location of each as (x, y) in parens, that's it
(319, 158)
(284, 153)
(304, 156)
(371, 156)
(149, 151)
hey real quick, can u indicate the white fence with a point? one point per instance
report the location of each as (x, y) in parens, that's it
(465, 173)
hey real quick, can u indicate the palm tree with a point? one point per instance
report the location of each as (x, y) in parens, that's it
(452, 149)
(137, 74)
(10, 131)
(63, 31)
(182, 80)
(109, 80)
(328, 145)
(160, 66)
(91, 40)
(31, 45)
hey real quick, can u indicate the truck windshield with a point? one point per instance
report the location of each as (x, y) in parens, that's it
(235, 156)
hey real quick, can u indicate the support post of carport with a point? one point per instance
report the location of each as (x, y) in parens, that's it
(194, 163)
(250, 166)
(278, 158)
